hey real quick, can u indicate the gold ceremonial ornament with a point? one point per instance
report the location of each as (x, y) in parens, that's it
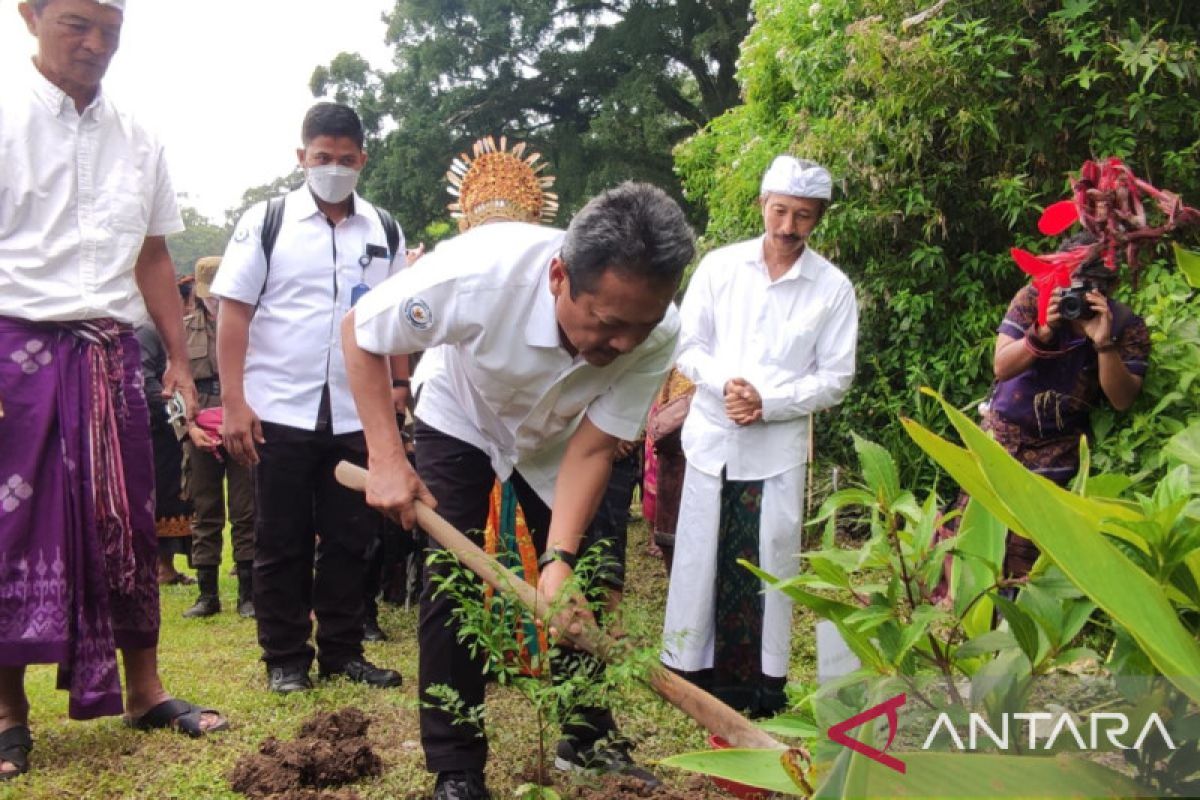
(499, 183)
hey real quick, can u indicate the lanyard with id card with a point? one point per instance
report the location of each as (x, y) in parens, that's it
(373, 251)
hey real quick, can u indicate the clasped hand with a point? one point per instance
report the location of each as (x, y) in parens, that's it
(743, 403)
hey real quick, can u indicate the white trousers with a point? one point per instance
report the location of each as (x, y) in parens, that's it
(689, 629)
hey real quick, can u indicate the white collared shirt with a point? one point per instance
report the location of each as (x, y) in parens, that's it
(295, 344)
(793, 339)
(79, 193)
(502, 381)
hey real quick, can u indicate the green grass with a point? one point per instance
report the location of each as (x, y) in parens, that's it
(215, 662)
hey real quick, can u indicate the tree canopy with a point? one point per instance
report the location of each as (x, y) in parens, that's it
(199, 239)
(603, 88)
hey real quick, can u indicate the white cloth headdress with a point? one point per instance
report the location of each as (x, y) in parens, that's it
(797, 177)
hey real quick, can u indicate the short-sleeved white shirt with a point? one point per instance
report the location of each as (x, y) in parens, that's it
(296, 334)
(502, 380)
(79, 193)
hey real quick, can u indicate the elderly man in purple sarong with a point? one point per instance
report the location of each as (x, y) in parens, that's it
(85, 205)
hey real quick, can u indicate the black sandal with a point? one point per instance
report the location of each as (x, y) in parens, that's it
(177, 715)
(15, 744)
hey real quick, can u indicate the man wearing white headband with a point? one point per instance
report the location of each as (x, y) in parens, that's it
(85, 210)
(769, 329)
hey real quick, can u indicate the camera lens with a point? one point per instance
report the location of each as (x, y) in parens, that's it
(1071, 306)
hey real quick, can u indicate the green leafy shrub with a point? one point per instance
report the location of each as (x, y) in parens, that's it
(946, 138)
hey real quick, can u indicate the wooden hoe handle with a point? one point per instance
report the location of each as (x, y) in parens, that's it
(714, 715)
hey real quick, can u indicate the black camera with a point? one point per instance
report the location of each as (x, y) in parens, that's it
(1073, 303)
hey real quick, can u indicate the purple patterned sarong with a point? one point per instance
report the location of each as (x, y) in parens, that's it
(59, 604)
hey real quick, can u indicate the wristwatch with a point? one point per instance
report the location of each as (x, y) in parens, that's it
(557, 554)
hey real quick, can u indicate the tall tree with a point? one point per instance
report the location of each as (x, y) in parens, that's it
(604, 88)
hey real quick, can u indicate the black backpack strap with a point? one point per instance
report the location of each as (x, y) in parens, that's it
(391, 230)
(272, 221)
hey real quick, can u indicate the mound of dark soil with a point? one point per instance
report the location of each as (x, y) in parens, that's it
(331, 751)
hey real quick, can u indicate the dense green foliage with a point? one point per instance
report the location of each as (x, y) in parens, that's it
(199, 239)
(946, 138)
(1123, 555)
(603, 89)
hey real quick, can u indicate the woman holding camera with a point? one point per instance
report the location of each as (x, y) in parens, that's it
(1049, 377)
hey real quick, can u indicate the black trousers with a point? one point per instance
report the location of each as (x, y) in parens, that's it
(302, 511)
(612, 518)
(460, 477)
(395, 554)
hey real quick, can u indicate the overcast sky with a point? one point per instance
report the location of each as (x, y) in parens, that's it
(224, 83)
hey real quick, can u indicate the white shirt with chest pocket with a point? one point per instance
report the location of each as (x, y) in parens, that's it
(501, 380)
(295, 344)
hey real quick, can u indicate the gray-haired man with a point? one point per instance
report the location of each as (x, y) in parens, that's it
(555, 344)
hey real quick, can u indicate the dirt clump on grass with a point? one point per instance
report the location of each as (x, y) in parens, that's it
(330, 751)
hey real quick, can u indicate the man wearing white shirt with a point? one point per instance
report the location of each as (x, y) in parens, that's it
(552, 347)
(85, 207)
(287, 407)
(769, 329)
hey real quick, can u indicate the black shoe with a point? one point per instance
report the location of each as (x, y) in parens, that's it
(285, 680)
(206, 606)
(372, 632)
(245, 601)
(602, 758)
(363, 671)
(461, 786)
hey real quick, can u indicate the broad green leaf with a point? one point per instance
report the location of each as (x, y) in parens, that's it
(925, 526)
(1051, 517)
(869, 618)
(1189, 264)
(1003, 682)
(939, 774)
(1184, 447)
(1192, 563)
(1022, 626)
(1045, 609)
(979, 618)
(828, 609)
(1074, 618)
(829, 572)
(961, 465)
(922, 618)
(791, 726)
(982, 536)
(879, 470)
(1080, 484)
(841, 499)
(1108, 485)
(759, 768)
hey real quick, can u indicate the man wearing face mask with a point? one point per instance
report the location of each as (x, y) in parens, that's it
(287, 407)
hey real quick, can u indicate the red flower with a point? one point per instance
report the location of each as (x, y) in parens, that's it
(1107, 201)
